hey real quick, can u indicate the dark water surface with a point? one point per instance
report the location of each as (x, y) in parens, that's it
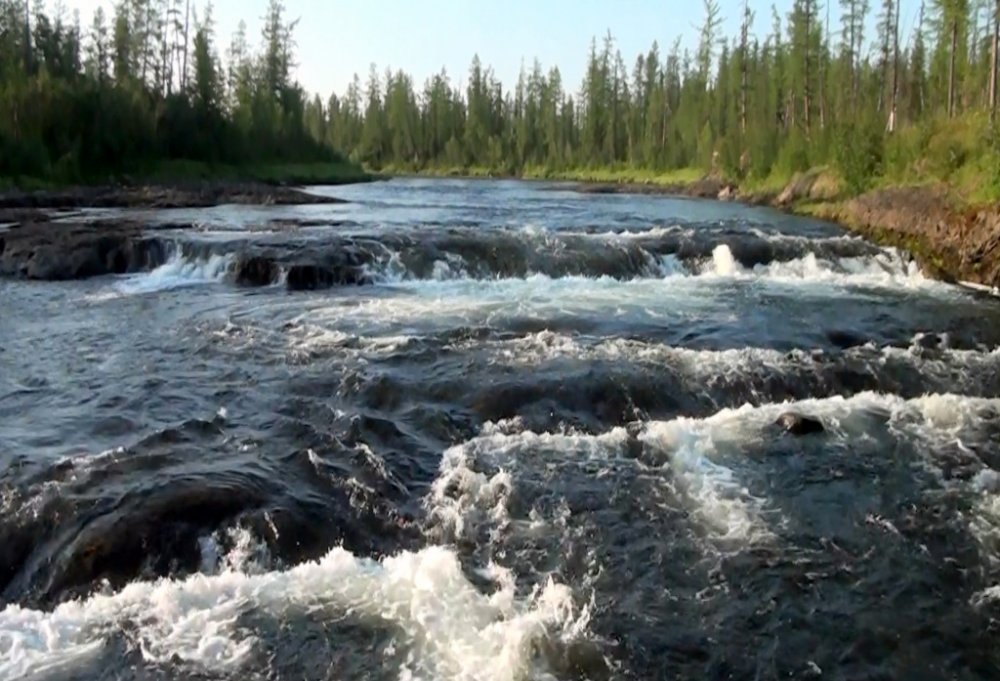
(536, 443)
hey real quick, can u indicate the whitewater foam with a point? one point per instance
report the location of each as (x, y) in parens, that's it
(705, 456)
(477, 477)
(446, 628)
(234, 549)
(946, 365)
(698, 448)
(304, 340)
(177, 272)
(886, 269)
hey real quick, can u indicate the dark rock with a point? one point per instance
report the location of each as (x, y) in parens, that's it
(53, 251)
(308, 277)
(176, 195)
(257, 271)
(929, 341)
(845, 339)
(635, 428)
(798, 424)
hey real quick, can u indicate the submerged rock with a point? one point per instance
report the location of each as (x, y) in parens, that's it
(799, 424)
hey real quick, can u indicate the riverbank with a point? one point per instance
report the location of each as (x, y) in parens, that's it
(178, 184)
(22, 207)
(182, 173)
(953, 238)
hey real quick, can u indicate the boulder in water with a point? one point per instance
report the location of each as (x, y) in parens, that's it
(257, 271)
(307, 277)
(929, 341)
(799, 424)
(844, 339)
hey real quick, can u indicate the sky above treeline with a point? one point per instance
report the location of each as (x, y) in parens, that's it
(338, 38)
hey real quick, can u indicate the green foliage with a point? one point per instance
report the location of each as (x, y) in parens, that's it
(335, 172)
(858, 154)
(755, 108)
(147, 85)
(144, 90)
(793, 157)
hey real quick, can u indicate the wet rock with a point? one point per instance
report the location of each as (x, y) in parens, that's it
(844, 339)
(635, 428)
(309, 277)
(53, 251)
(799, 424)
(929, 341)
(257, 271)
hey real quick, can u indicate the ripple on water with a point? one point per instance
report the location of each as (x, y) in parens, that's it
(533, 438)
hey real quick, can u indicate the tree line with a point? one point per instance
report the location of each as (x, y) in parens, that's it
(143, 84)
(806, 93)
(146, 83)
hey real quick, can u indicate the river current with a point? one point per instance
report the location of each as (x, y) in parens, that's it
(534, 438)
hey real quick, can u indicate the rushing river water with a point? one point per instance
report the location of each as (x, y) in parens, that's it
(537, 442)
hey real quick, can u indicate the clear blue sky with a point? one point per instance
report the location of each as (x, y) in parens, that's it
(337, 38)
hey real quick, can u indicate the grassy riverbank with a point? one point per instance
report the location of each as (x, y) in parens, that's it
(184, 172)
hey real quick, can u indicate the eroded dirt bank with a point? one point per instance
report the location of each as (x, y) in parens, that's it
(953, 243)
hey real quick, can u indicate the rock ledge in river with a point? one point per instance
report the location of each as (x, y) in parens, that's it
(799, 424)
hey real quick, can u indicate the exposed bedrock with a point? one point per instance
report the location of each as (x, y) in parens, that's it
(178, 195)
(60, 251)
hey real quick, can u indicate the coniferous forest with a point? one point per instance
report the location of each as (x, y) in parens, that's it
(150, 82)
(143, 86)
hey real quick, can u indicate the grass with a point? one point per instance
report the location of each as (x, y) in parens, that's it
(443, 171)
(963, 153)
(25, 183)
(621, 175)
(604, 175)
(182, 170)
(772, 185)
(336, 172)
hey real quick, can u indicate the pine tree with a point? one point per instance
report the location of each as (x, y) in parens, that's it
(994, 61)
(98, 52)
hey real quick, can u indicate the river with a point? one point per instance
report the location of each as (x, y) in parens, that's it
(534, 439)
